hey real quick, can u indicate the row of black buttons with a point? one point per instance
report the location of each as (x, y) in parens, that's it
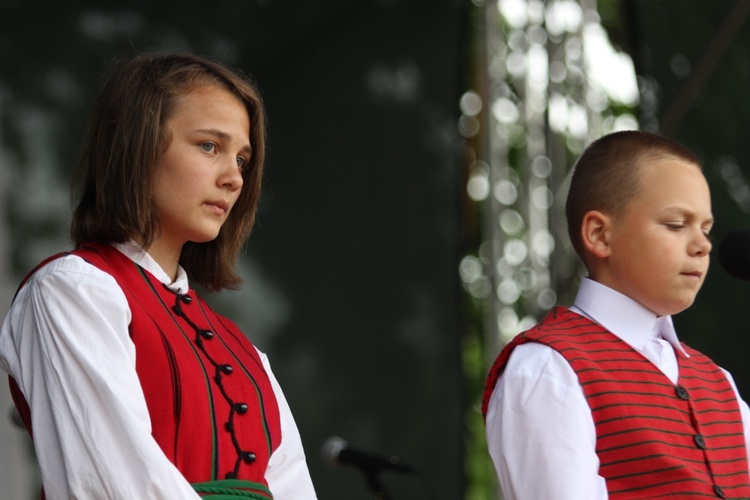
(700, 441)
(221, 369)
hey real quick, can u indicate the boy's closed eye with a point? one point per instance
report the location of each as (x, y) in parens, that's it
(677, 226)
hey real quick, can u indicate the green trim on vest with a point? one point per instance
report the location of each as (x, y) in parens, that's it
(232, 489)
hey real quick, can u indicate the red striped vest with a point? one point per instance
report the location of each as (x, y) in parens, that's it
(213, 411)
(654, 439)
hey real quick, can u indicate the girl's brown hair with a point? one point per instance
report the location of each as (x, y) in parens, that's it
(125, 141)
(607, 175)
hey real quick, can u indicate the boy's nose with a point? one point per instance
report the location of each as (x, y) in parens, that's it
(702, 244)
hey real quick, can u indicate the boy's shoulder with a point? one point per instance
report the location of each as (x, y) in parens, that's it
(560, 320)
(697, 356)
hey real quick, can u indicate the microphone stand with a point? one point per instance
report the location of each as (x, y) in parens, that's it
(376, 485)
(335, 451)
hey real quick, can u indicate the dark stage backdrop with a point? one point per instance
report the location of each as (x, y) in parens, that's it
(352, 285)
(694, 74)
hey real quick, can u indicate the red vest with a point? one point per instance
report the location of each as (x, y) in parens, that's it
(654, 439)
(213, 410)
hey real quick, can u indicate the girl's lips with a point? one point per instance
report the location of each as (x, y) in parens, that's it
(220, 206)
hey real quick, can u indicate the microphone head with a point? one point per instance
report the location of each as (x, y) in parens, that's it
(331, 450)
(734, 253)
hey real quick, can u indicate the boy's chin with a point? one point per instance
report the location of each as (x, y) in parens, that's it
(674, 308)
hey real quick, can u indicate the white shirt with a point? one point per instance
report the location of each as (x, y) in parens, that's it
(65, 341)
(540, 430)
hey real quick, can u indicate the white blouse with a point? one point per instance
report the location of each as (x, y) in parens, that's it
(65, 341)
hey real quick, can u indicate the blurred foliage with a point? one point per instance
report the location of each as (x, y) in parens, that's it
(667, 40)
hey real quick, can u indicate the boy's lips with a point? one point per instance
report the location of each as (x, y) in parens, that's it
(696, 274)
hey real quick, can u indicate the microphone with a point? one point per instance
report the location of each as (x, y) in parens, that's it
(336, 451)
(734, 253)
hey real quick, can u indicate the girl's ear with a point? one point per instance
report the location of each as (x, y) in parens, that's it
(595, 233)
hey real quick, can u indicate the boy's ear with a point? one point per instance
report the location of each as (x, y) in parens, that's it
(595, 232)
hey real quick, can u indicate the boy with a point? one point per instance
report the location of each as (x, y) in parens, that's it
(601, 400)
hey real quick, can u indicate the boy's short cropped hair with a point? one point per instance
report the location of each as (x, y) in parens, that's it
(606, 176)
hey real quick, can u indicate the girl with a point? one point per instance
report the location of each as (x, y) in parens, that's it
(131, 386)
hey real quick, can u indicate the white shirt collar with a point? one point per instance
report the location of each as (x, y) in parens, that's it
(623, 316)
(137, 254)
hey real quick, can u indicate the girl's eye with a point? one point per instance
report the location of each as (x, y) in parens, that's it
(241, 161)
(208, 147)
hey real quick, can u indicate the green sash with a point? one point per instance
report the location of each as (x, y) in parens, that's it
(232, 489)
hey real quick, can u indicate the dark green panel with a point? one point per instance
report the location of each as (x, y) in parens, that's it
(667, 34)
(352, 284)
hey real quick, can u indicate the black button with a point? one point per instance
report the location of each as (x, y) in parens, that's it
(682, 393)
(187, 299)
(230, 475)
(207, 334)
(226, 369)
(700, 441)
(248, 456)
(719, 492)
(241, 408)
